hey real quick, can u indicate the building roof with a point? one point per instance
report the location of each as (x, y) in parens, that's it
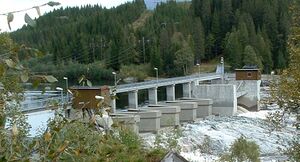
(250, 67)
(173, 156)
(246, 69)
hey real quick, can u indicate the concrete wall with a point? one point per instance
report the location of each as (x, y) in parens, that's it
(223, 96)
(170, 114)
(133, 99)
(126, 121)
(252, 98)
(204, 106)
(149, 119)
(188, 109)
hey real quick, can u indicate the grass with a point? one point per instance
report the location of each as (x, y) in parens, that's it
(209, 67)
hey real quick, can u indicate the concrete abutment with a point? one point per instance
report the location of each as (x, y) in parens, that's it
(223, 96)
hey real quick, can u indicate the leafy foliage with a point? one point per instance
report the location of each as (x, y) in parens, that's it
(138, 71)
(14, 144)
(206, 145)
(294, 151)
(242, 150)
(287, 90)
(168, 141)
(66, 141)
(11, 73)
(73, 140)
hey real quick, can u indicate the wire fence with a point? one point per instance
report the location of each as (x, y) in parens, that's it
(39, 101)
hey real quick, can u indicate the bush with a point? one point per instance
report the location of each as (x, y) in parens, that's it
(72, 140)
(206, 145)
(168, 141)
(294, 151)
(95, 72)
(242, 150)
(138, 71)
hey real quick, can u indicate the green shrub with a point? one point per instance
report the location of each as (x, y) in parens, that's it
(294, 151)
(242, 150)
(168, 141)
(206, 145)
(95, 72)
(74, 140)
(138, 71)
(155, 155)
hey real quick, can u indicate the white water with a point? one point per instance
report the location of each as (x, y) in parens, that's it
(222, 131)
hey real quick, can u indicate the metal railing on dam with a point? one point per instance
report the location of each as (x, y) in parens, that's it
(38, 100)
(165, 82)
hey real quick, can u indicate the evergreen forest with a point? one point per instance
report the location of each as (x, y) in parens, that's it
(95, 41)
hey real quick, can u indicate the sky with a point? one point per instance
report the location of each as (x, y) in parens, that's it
(13, 5)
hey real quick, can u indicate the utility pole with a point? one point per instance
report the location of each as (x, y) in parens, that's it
(198, 69)
(93, 46)
(222, 67)
(96, 45)
(144, 49)
(144, 52)
(156, 70)
(101, 46)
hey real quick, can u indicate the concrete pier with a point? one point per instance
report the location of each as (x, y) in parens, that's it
(152, 94)
(170, 114)
(149, 119)
(171, 92)
(223, 95)
(204, 106)
(186, 89)
(113, 105)
(126, 121)
(133, 99)
(188, 109)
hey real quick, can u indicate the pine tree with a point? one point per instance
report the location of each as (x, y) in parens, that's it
(206, 15)
(263, 49)
(250, 57)
(270, 24)
(165, 52)
(198, 40)
(81, 37)
(243, 33)
(155, 58)
(247, 18)
(227, 16)
(234, 50)
(209, 46)
(184, 57)
(216, 31)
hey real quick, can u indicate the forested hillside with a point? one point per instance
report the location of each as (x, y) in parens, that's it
(174, 37)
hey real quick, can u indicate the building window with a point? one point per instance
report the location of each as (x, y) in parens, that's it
(249, 74)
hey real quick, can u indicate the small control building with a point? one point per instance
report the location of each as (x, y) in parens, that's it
(249, 72)
(84, 96)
